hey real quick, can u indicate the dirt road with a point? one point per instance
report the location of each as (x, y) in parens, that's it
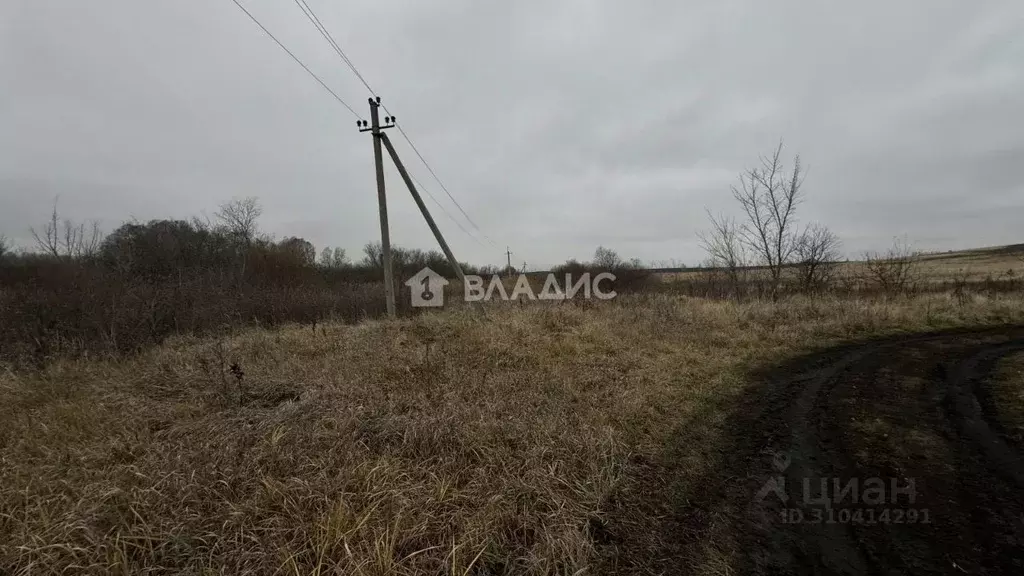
(884, 458)
(880, 457)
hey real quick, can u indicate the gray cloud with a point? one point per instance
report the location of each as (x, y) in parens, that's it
(558, 126)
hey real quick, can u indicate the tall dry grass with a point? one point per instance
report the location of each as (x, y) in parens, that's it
(521, 442)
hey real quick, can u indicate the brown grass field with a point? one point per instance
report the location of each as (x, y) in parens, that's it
(973, 266)
(538, 439)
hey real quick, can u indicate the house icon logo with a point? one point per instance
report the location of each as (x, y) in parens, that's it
(427, 288)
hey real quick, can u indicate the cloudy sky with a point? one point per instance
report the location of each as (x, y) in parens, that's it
(558, 126)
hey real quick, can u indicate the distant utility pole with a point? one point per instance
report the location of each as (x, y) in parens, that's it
(508, 258)
(380, 137)
(382, 203)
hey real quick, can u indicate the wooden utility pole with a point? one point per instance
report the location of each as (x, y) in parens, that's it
(382, 203)
(423, 208)
(508, 259)
(380, 137)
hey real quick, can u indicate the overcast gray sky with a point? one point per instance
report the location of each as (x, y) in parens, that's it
(558, 126)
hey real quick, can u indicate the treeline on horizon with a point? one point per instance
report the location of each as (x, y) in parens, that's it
(83, 292)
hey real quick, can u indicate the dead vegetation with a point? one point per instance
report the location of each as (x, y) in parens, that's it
(82, 293)
(1007, 396)
(897, 271)
(190, 397)
(442, 443)
(768, 235)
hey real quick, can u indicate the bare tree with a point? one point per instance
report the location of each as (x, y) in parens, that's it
(86, 241)
(67, 239)
(769, 196)
(49, 239)
(767, 234)
(817, 256)
(725, 248)
(606, 258)
(5, 246)
(373, 255)
(239, 217)
(895, 271)
(333, 257)
(301, 249)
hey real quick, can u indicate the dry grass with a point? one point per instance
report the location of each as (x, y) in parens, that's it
(447, 443)
(971, 266)
(1007, 391)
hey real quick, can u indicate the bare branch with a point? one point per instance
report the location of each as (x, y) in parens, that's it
(48, 241)
(769, 199)
(896, 271)
(724, 245)
(240, 216)
(817, 255)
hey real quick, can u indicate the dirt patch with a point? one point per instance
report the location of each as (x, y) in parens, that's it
(880, 457)
(1006, 397)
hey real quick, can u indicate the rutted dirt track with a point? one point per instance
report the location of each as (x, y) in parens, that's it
(906, 427)
(897, 435)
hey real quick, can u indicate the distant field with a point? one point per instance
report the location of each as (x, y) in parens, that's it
(995, 263)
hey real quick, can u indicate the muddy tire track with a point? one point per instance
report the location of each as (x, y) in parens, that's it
(911, 410)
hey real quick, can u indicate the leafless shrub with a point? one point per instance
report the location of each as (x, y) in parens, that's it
(606, 258)
(817, 256)
(80, 295)
(333, 258)
(405, 262)
(960, 280)
(725, 249)
(896, 271)
(300, 249)
(65, 239)
(629, 275)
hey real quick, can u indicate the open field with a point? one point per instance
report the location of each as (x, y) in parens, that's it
(240, 337)
(542, 439)
(978, 264)
(975, 266)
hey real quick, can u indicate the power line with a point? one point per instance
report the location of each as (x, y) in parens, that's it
(443, 187)
(315, 20)
(296, 58)
(311, 15)
(446, 213)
